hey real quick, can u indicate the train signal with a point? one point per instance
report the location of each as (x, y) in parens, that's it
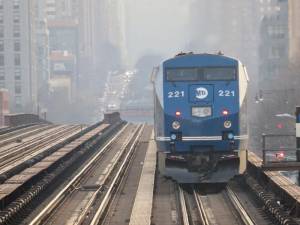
(280, 155)
(279, 125)
(298, 134)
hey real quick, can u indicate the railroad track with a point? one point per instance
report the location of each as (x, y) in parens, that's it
(29, 140)
(7, 130)
(85, 199)
(219, 208)
(244, 216)
(20, 134)
(12, 156)
(17, 197)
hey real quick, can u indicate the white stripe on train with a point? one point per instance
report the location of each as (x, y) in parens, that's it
(202, 138)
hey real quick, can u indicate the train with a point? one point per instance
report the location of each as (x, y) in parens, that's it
(200, 117)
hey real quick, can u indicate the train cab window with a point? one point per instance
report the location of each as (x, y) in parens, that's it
(201, 74)
(182, 74)
(219, 74)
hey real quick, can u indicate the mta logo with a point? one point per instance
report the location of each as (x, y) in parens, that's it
(201, 93)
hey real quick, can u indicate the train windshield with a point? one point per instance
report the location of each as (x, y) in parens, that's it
(184, 74)
(201, 74)
(219, 74)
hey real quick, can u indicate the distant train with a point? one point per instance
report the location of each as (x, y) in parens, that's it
(200, 117)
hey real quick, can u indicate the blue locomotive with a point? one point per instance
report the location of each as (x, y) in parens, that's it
(200, 114)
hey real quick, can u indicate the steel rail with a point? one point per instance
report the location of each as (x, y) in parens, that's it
(92, 200)
(20, 153)
(12, 154)
(34, 139)
(238, 207)
(30, 131)
(109, 194)
(7, 130)
(49, 208)
(201, 210)
(19, 131)
(183, 207)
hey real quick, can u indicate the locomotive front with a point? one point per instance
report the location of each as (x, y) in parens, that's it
(200, 113)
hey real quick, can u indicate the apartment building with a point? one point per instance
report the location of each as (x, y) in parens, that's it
(17, 55)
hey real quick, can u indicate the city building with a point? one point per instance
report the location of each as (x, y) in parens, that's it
(64, 50)
(17, 53)
(88, 15)
(62, 9)
(294, 51)
(274, 45)
(74, 39)
(278, 76)
(229, 26)
(62, 22)
(63, 35)
(294, 32)
(62, 72)
(4, 105)
(116, 27)
(92, 35)
(42, 54)
(108, 21)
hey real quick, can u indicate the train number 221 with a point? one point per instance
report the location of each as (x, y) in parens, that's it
(226, 93)
(175, 94)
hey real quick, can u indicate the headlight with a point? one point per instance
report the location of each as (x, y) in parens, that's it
(176, 125)
(201, 111)
(227, 124)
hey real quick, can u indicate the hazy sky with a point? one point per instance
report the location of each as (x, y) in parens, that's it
(156, 26)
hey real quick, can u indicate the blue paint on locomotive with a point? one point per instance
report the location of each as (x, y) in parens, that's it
(198, 133)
